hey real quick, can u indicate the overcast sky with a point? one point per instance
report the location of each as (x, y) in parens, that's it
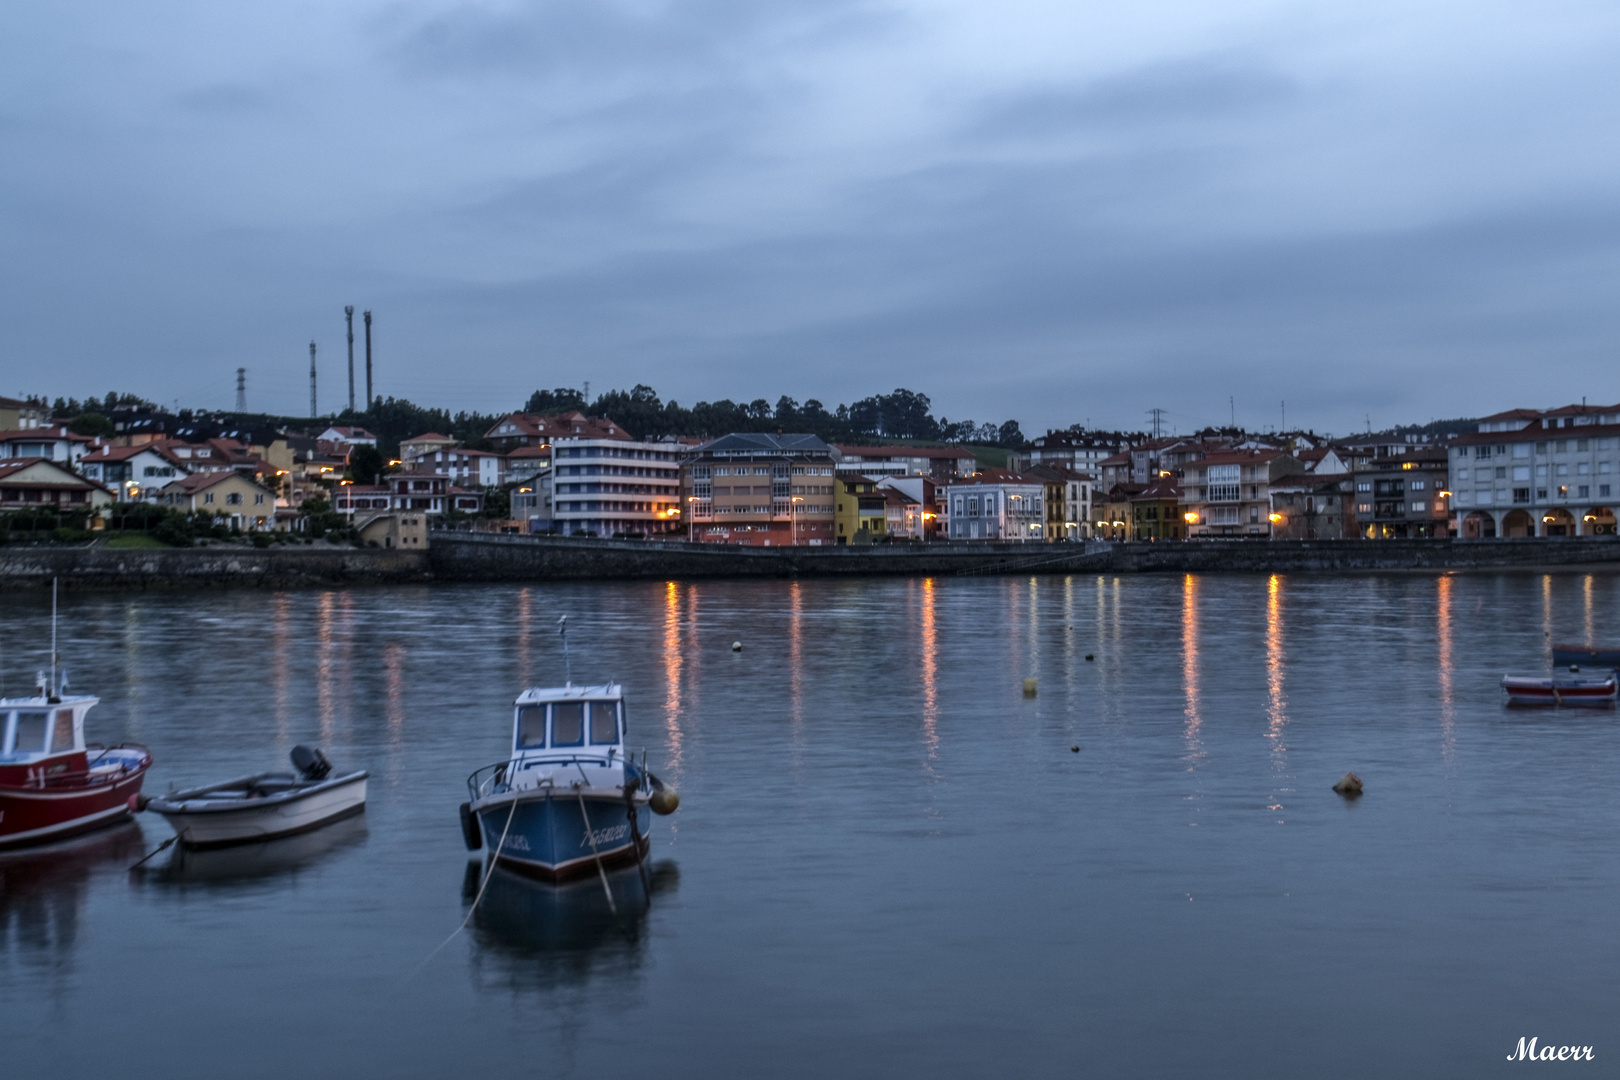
(1052, 211)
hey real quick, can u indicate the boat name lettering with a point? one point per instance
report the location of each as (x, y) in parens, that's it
(516, 843)
(603, 836)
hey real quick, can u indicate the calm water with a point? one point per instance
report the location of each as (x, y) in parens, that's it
(887, 862)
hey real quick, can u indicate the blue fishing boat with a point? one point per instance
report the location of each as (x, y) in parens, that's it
(1585, 656)
(570, 799)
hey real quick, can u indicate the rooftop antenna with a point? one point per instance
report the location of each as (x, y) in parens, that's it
(562, 632)
(369, 398)
(241, 389)
(312, 380)
(1285, 416)
(348, 318)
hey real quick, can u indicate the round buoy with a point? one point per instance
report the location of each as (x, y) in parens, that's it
(1029, 688)
(1090, 657)
(736, 646)
(1074, 749)
(664, 800)
(1349, 785)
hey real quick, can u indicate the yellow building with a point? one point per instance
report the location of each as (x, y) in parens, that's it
(227, 495)
(859, 514)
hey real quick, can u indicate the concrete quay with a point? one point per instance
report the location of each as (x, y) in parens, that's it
(217, 565)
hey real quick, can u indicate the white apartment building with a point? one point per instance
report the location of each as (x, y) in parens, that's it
(463, 468)
(610, 486)
(997, 505)
(1531, 473)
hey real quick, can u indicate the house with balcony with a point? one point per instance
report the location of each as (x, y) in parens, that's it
(40, 484)
(1307, 506)
(1068, 501)
(759, 489)
(1529, 472)
(1078, 450)
(996, 504)
(1403, 496)
(1228, 492)
(226, 495)
(56, 444)
(515, 430)
(1154, 513)
(615, 486)
(940, 463)
(426, 493)
(133, 472)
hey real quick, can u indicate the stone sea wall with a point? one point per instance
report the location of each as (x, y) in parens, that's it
(486, 557)
(282, 566)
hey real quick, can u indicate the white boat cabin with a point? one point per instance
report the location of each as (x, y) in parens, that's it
(567, 735)
(39, 727)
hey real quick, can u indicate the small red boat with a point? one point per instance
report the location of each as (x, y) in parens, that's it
(53, 784)
(1559, 690)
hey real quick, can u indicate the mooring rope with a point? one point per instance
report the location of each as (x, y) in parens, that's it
(494, 857)
(591, 836)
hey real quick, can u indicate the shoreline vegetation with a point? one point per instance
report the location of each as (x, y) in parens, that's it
(454, 557)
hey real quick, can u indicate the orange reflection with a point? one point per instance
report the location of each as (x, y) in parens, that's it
(1189, 669)
(394, 666)
(1276, 701)
(929, 670)
(1448, 704)
(796, 656)
(1586, 591)
(673, 662)
(1546, 608)
(324, 690)
(281, 664)
(525, 626)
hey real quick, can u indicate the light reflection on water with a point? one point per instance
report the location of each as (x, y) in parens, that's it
(890, 862)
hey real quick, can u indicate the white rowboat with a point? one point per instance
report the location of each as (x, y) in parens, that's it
(264, 806)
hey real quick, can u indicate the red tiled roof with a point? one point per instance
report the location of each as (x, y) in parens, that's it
(12, 466)
(46, 433)
(902, 451)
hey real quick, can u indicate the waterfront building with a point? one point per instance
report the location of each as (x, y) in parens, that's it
(1528, 472)
(40, 484)
(130, 472)
(1403, 496)
(225, 495)
(1228, 492)
(50, 443)
(415, 447)
(423, 492)
(758, 489)
(941, 463)
(1306, 506)
(1155, 512)
(1077, 450)
(21, 415)
(918, 515)
(463, 468)
(347, 436)
(516, 430)
(860, 510)
(1068, 501)
(1115, 521)
(996, 504)
(363, 499)
(615, 486)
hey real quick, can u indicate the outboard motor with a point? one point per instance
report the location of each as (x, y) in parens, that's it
(310, 762)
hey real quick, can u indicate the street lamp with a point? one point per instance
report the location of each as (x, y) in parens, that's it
(793, 518)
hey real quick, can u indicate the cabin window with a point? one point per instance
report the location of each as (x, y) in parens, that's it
(531, 727)
(568, 723)
(62, 735)
(604, 722)
(30, 737)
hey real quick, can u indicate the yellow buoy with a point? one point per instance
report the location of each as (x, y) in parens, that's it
(664, 800)
(1029, 687)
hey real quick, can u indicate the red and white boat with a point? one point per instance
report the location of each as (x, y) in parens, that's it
(52, 784)
(1559, 690)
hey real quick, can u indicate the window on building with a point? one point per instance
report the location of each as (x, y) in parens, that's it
(1582, 444)
(1584, 491)
(1583, 468)
(1520, 495)
(1521, 450)
(1366, 485)
(1482, 451)
(1603, 491)
(1563, 470)
(208, 497)
(1417, 485)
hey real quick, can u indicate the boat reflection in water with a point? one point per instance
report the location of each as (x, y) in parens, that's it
(529, 933)
(43, 891)
(245, 863)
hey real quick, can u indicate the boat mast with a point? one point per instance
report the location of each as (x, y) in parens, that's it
(562, 631)
(52, 690)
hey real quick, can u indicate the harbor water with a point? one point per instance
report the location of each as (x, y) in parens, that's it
(888, 861)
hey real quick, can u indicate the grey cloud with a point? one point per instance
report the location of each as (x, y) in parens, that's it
(545, 37)
(1193, 89)
(227, 99)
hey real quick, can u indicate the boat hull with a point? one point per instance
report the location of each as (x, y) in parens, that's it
(546, 832)
(1538, 691)
(255, 820)
(32, 814)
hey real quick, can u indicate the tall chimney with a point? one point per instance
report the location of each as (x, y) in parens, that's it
(312, 413)
(348, 317)
(369, 397)
(241, 389)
